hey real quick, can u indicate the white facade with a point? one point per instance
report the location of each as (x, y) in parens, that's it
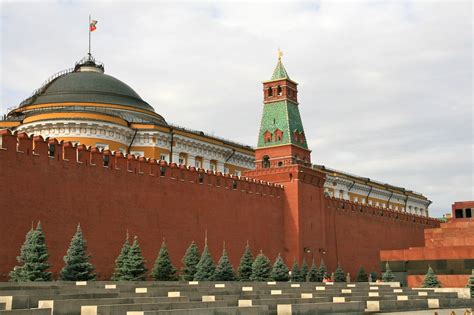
(344, 188)
(191, 147)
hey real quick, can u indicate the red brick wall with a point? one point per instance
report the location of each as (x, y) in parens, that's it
(355, 238)
(108, 201)
(131, 195)
(347, 235)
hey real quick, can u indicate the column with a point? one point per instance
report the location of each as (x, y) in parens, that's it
(191, 160)
(175, 157)
(220, 166)
(206, 163)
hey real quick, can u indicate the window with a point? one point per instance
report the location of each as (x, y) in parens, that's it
(278, 135)
(238, 173)
(280, 164)
(370, 202)
(137, 153)
(458, 213)
(213, 167)
(266, 162)
(51, 150)
(341, 194)
(363, 200)
(164, 157)
(468, 213)
(106, 160)
(226, 170)
(279, 91)
(267, 136)
(270, 92)
(356, 199)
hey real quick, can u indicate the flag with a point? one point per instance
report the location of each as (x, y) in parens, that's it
(92, 26)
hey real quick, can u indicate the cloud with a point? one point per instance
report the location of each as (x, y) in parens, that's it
(385, 87)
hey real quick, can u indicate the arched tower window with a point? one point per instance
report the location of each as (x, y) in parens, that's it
(270, 91)
(266, 162)
(279, 91)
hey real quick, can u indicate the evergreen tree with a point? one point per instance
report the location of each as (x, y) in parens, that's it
(362, 276)
(304, 271)
(78, 267)
(245, 266)
(224, 269)
(339, 275)
(295, 272)
(387, 276)
(134, 265)
(190, 261)
(18, 273)
(322, 272)
(279, 270)
(163, 270)
(205, 268)
(431, 280)
(33, 257)
(374, 275)
(120, 261)
(261, 268)
(313, 275)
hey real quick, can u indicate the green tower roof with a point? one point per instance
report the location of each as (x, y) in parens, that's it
(285, 117)
(279, 72)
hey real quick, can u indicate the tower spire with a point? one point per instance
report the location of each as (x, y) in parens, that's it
(280, 72)
(281, 140)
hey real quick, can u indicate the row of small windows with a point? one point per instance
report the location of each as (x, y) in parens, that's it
(279, 91)
(270, 137)
(298, 136)
(278, 136)
(164, 157)
(342, 195)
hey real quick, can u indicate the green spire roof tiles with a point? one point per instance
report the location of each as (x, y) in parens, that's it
(279, 72)
(284, 116)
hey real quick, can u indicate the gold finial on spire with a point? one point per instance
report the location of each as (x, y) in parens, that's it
(280, 54)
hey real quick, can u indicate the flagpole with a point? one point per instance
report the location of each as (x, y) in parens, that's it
(89, 26)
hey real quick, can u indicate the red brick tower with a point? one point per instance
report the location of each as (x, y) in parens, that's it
(282, 156)
(281, 140)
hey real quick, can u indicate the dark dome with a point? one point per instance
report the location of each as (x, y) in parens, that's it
(88, 87)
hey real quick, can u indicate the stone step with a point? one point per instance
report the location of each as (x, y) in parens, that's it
(250, 310)
(123, 309)
(27, 312)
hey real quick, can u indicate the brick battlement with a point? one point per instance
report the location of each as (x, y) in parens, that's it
(92, 157)
(359, 208)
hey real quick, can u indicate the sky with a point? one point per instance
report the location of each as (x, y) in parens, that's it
(385, 87)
